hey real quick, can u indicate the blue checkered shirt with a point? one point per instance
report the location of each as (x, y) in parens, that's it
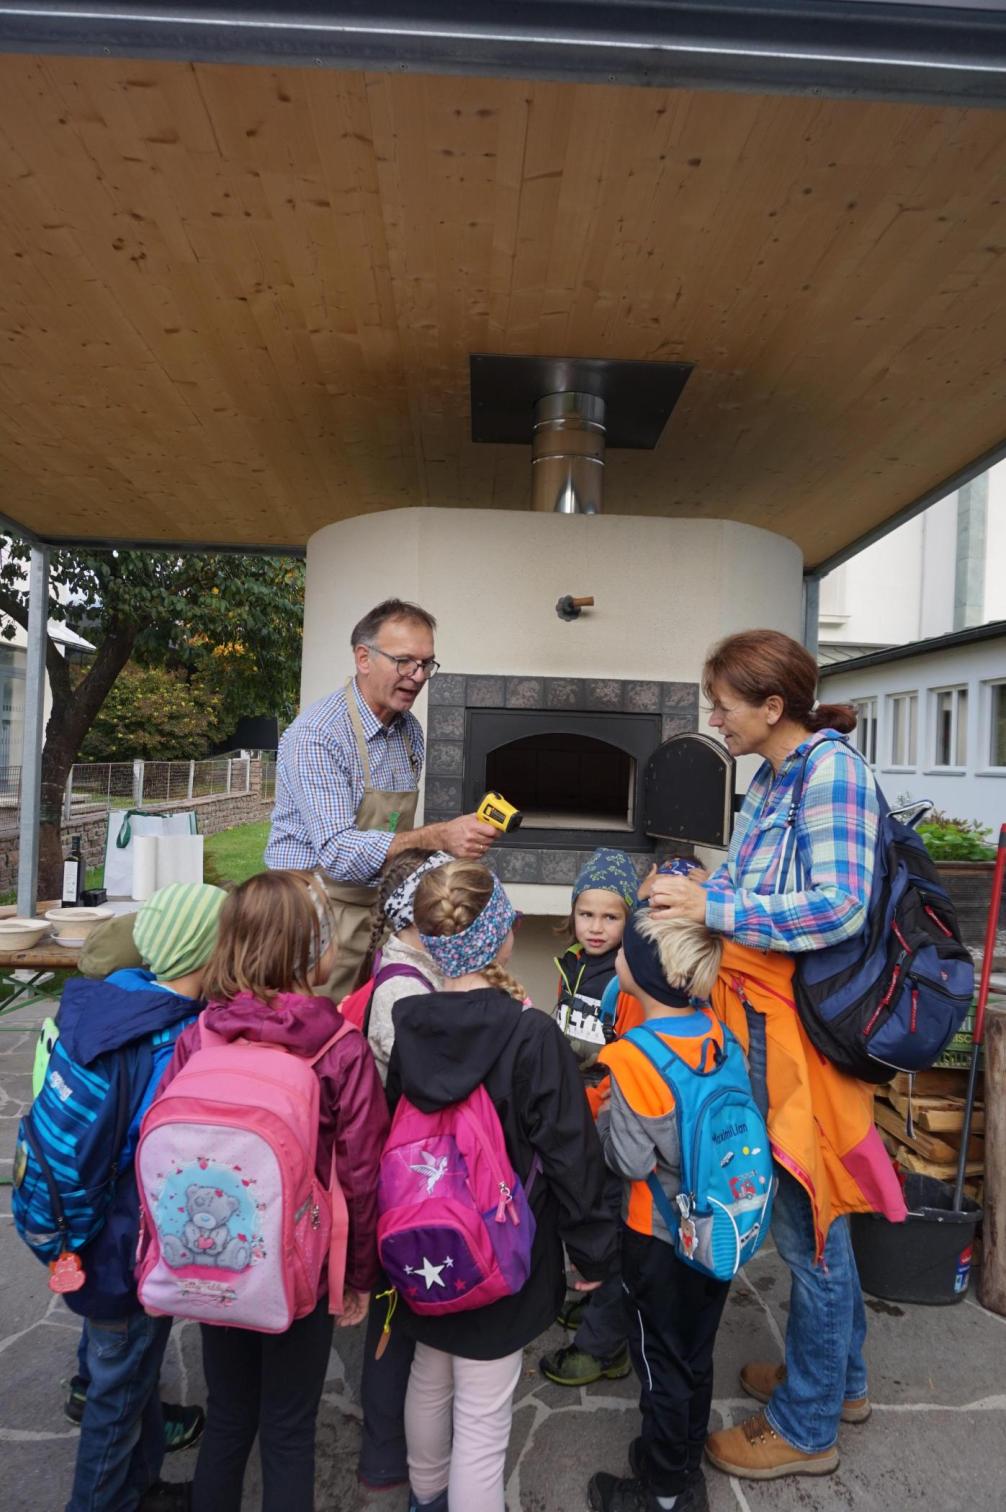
(319, 785)
(825, 893)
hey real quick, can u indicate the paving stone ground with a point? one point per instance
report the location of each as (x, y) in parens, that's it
(936, 1442)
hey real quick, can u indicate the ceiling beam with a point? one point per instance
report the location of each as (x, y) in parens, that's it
(880, 49)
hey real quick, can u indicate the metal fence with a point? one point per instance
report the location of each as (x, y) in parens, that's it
(97, 785)
(141, 784)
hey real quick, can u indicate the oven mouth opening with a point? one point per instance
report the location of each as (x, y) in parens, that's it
(565, 781)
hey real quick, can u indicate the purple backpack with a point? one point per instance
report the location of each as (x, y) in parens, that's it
(454, 1227)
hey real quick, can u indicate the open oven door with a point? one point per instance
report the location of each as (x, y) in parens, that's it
(688, 792)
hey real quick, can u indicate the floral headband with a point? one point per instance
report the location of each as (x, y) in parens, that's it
(319, 897)
(480, 943)
(398, 908)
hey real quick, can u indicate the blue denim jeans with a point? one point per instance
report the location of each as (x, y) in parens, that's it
(827, 1321)
(122, 1433)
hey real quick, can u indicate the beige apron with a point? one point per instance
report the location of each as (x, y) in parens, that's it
(354, 905)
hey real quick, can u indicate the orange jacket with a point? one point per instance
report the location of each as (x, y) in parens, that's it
(820, 1121)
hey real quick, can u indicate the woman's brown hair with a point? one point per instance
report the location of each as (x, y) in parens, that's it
(394, 874)
(760, 663)
(270, 938)
(451, 898)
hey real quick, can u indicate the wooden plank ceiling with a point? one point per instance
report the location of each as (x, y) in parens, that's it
(238, 303)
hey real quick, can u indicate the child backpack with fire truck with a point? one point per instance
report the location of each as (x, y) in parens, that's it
(455, 1227)
(235, 1226)
(720, 1217)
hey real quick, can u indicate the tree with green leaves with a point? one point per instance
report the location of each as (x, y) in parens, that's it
(235, 621)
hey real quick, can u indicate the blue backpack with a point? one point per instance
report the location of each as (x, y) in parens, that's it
(892, 997)
(76, 1139)
(720, 1218)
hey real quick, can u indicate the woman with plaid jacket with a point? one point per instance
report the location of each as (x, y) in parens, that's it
(774, 893)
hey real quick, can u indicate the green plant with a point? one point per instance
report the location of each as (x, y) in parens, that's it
(949, 839)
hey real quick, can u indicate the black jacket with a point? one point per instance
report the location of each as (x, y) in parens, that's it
(446, 1043)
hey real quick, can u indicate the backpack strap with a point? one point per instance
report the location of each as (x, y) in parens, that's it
(344, 1028)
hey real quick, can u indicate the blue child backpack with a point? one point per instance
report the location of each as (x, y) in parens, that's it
(77, 1138)
(720, 1218)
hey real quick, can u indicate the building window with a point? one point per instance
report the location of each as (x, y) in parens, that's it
(951, 745)
(866, 728)
(997, 725)
(903, 712)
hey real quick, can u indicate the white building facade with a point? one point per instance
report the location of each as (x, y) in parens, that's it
(932, 719)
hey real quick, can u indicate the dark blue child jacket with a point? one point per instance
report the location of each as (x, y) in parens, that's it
(125, 1015)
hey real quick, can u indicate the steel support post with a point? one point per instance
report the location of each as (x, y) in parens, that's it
(34, 732)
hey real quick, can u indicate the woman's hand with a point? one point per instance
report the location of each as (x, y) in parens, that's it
(354, 1308)
(678, 898)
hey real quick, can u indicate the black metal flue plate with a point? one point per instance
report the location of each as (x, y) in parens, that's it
(638, 396)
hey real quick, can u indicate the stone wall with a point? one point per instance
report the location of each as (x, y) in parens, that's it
(221, 812)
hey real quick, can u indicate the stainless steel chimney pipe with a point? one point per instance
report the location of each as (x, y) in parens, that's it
(567, 465)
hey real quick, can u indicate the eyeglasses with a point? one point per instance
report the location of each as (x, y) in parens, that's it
(720, 709)
(408, 666)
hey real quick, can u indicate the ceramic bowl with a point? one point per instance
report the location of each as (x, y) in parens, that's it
(75, 924)
(21, 934)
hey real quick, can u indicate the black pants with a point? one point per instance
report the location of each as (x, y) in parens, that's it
(383, 1460)
(270, 1385)
(673, 1313)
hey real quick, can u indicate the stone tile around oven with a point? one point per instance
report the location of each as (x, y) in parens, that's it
(560, 867)
(448, 688)
(446, 723)
(642, 697)
(563, 693)
(525, 692)
(443, 796)
(485, 692)
(517, 865)
(445, 758)
(678, 724)
(603, 693)
(679, 695)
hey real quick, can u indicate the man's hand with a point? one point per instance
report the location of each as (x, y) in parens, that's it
(467, 837)
(354, 1308)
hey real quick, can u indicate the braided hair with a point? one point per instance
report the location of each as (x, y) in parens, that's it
(398, 868)
(450, 899)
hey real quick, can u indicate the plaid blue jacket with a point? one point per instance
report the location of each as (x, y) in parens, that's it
(319, 785)
(825, 892)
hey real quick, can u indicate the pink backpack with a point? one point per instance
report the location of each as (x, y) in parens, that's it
(454, 1228)
(235, 1227)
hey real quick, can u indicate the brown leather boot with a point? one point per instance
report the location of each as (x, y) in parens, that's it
(754, 1451)
(760, 1378)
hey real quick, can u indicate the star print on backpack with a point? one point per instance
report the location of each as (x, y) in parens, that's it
(454, 1228)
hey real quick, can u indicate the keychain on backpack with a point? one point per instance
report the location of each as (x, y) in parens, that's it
(66, 1274)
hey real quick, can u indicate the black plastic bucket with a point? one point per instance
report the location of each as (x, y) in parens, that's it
(927, 1258)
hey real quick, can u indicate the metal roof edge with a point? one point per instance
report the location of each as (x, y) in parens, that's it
(992, 631)
(940, 53)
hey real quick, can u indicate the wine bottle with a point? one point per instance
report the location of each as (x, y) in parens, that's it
(73, 875)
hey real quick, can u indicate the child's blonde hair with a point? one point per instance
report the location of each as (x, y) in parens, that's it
(450, 899)
(271, 937)
(690, 954)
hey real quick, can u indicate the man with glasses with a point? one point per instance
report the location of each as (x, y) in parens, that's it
(347, 778)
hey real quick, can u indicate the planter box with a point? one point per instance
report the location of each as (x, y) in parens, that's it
(969, 884)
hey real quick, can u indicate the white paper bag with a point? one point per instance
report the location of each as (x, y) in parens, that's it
(119, 858)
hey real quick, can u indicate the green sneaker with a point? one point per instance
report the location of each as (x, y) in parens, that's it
(574, 1367)
(572, 1310)
(183, 1426)
(76, 1396)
